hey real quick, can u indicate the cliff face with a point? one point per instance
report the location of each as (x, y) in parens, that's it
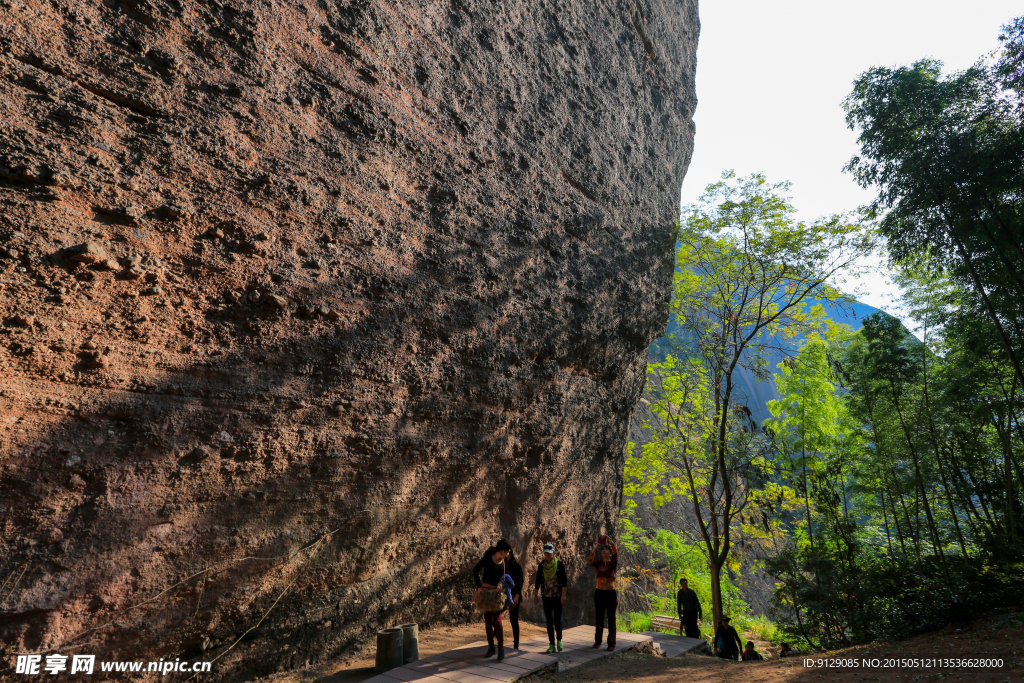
(309, 302)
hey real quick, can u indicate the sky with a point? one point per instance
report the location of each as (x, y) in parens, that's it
(771, 78)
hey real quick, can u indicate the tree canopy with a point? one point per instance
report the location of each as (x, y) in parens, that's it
(885, 494)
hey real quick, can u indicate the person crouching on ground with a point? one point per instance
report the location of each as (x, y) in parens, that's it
(750, 654)
(727, 641)
(489, 598)
(604, 557)
(515, 572)
(551, 584)
(688, 607)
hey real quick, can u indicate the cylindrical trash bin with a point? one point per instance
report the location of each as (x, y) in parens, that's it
(389, 650)
(410, 642)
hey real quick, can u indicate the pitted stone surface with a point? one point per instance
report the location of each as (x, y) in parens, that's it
(303, 304)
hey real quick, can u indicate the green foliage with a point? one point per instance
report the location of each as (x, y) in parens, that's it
(946, 154)
(1010, 66)
(921, 436)
(814, 433)
(887, 488)
(762, 628)
(923, 455)
(808, 412)
(634, 622)
(686, 560)
(885, 597)
(747, 274)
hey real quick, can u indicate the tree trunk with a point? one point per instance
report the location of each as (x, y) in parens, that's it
(807, 507)
(885, 516)
(716, 592)
(800, 623)
(916, 538)
(933, 532)
(935, 441)
(896, 521)
(803, 459)
(949, 501)
(1011, 534)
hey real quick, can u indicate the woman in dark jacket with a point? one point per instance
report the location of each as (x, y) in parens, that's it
(489, 598)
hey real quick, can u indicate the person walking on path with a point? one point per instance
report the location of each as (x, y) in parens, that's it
(515, 572)
(551, 583)
(688, 607)
(604, 557)
(727, 641)
(489, 598)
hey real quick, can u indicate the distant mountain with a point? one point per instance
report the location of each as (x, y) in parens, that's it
(756, 394)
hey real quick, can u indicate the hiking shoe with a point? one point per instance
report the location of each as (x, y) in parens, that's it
(501, 654)
(559, 646)
(490, 651)
(596, 645)
(551, 648)
(611, 646)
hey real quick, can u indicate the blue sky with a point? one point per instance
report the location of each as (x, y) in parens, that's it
(771, 77)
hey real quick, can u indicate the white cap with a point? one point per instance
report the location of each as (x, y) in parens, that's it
(549, 547)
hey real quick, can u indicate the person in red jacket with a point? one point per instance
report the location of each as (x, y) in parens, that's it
(604, 558)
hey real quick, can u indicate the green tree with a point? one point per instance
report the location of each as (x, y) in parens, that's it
(808, 418)
(1010, 66)
(946, 154)
(750, 279)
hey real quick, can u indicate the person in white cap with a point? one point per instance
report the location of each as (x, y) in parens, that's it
(551, 584)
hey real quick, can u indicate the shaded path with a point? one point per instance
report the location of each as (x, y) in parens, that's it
(467, 664)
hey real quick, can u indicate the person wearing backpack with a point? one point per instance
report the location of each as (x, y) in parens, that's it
(551, 583)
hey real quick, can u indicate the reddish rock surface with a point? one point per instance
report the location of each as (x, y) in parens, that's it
(304, 303)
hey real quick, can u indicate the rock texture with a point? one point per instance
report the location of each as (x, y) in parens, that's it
(305, 302)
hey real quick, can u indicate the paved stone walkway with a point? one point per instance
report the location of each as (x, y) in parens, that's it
(467, 664)
(673, 646)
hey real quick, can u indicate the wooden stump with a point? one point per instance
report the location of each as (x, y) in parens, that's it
(389, 650)
(410, 642)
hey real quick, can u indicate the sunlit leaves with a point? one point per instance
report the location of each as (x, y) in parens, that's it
(946, 155)
(750, 281)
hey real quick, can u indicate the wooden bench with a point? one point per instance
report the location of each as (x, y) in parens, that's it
(662, 622)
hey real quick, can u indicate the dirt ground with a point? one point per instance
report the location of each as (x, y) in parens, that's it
(997, 637)
(983, 639)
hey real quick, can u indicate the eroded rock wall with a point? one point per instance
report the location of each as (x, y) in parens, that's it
(309, 301)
